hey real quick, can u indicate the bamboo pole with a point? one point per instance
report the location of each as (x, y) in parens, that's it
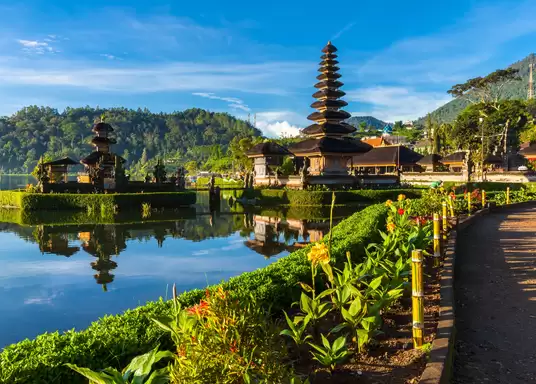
(483, 199)
(417, 298)
(437, 240)
(508, 195)
(451, 205)
(468, 203)
(445, 222)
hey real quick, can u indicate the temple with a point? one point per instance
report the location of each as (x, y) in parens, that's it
(328, 148)
(101, 164)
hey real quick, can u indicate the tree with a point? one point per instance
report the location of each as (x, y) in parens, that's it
(143, 159)
(398, 126)
(191, 167)
(486, 89)
(362, 126)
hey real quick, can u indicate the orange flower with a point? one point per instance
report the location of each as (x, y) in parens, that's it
(319, 253)
(391, 227)
(401, 197)
(200, 309)
(233, 347)
(388, 203)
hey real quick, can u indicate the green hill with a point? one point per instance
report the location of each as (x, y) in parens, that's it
(514, 90)
(193, 134)
(369, 120)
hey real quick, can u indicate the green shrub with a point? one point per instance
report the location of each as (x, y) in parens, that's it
(314, 198)
(115, 340)
(202, 182)
(99, 202)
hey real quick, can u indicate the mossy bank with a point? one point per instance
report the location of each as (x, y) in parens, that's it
(102, 202)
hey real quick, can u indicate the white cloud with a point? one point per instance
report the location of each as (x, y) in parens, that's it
(396, 103)
(109, 57)
(36, 46)
(263, 78)
(234, 103)
(279, 123)
(346, 28)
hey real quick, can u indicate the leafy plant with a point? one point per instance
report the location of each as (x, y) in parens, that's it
(296, 331)
(137, 372)
(329, 355)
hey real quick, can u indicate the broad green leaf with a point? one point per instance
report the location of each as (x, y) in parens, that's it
(305, 303)
(92, 376)
(306, 287)
(325, 341)
(339, 344)
(374, 284)
(325, 293)
(355, 307)
(338, 328)
(160, 376)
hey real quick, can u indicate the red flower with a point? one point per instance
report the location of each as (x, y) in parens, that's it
(401, 211)
(200, 309)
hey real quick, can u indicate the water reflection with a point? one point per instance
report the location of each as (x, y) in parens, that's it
(51, 272)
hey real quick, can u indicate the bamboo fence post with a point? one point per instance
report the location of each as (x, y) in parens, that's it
(507, 195)
(468, 203)
(483, 199)
(417, 298)
(445, 222)
(451, 205)
(437, 240)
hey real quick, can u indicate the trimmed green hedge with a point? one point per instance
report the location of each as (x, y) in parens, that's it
(304, 197)
(202, 182)
(105, 202)
(114, 340)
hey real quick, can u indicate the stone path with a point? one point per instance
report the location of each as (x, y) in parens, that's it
(495, 288)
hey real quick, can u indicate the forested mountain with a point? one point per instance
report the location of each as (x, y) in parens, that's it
(194, 134)
(370, 121)
(515, 90)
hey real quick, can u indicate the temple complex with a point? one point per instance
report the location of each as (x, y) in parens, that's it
(328, 148)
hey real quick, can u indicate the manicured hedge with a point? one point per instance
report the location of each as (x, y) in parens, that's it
(304, 197)
(105, 202)
(202, 182)
(114, 340)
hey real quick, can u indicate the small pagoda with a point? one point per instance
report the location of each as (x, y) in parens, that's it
(328, 149)
(101, 164)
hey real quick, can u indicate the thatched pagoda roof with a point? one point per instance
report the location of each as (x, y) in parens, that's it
(63, 161)
(268, 148)
(102, 127)
(322, 145)
(430, 159)
(317, 129)
(456, 157)
(387, 156)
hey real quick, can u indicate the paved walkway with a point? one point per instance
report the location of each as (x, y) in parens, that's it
(495, 287)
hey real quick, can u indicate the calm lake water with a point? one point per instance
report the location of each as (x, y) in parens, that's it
(58, 277)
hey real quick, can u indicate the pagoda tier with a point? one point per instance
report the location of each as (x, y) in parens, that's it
(328, 147)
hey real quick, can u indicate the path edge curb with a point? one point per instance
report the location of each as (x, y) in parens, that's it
(439, 367)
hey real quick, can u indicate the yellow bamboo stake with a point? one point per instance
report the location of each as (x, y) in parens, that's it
(508, 195)
(445, 222)
(483, 199)
(451, 205)
(468, 203)
(437, 240)
(417, 298)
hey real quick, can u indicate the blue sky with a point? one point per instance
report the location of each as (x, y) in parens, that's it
(397, 59)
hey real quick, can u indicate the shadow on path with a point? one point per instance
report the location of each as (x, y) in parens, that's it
(495, 288)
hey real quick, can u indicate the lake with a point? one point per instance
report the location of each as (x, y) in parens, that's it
(58, 277)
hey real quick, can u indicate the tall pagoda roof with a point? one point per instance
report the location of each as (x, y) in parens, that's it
(268, 148)
(329, 48)
(103, 140)
(387, 156)
(102, 127)
(316, 129)
(328, 144)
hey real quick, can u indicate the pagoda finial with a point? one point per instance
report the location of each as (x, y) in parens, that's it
(329, 42)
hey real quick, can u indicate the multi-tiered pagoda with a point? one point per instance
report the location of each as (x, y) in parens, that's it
(101, 163)
(328, 148)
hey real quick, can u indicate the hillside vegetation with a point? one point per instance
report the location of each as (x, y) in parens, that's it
(193, 134)
(514, 90)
